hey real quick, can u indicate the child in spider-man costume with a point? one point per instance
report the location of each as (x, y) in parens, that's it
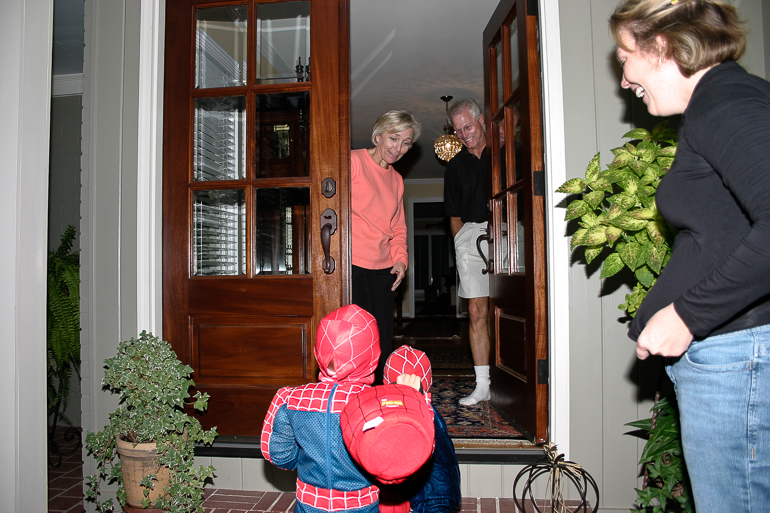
(435, 488)
(302, 427)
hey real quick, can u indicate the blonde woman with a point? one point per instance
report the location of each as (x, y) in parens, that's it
(379, 250)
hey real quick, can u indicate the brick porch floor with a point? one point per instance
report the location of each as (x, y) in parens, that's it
(237, 501)
(65, 492)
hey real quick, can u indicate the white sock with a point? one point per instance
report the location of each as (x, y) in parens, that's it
(481, 393)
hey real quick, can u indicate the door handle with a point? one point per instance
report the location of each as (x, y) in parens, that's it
(328, 227)
(488, 263)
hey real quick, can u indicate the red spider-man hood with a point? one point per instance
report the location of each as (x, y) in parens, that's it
(407, 360)
(350, 338)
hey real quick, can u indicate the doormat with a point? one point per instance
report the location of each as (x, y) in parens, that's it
(478, 421)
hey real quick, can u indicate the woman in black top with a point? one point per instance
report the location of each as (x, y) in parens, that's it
(709, 311)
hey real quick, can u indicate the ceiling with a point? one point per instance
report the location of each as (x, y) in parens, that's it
(404, 54)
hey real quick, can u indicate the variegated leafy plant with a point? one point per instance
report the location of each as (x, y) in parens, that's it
(617, 210)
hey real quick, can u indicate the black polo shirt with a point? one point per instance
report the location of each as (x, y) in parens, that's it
(465, 187)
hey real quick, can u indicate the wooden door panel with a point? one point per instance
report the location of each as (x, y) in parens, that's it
(511, 357)
(243, 296)
(249, 351)
(236, 410)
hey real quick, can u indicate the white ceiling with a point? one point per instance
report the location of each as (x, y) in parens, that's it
(405, 54)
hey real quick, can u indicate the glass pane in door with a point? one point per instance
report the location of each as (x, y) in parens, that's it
(519, 240)
(219, 232)
(282, 234)
(514, 31)
(220, 46)
(283, 42)
(499, 66)
(503, 253)
(282, 135)
(498, 138)
(219, 138)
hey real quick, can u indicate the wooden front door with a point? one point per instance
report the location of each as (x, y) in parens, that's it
(517, 225)
(255, 195)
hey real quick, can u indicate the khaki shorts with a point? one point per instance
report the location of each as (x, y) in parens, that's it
(469, 264)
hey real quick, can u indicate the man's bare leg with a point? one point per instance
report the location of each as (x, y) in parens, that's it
(478, 308)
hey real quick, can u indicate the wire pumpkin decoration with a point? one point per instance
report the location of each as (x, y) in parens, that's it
(557, 469)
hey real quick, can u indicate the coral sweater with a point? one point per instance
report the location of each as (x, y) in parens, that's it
(377, 213)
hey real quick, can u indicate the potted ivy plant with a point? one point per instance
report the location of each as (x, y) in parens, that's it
(151, 429)
(619, 223)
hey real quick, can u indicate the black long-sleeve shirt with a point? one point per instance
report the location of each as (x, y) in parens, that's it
(717, 196)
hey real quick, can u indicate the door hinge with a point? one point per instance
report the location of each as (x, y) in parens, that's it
(542, 372)
(538, 183)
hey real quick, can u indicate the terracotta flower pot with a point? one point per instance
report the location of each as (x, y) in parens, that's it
(137, 461)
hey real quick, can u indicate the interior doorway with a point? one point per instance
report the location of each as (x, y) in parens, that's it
(433, 276)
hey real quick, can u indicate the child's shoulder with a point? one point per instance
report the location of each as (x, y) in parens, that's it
(315, 396)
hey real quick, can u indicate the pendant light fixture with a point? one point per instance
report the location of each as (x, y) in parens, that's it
(448, 145)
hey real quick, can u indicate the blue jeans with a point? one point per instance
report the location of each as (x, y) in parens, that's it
(723, 389)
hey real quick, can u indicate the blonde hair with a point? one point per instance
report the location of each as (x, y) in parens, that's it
(696, 34)
(396, 121)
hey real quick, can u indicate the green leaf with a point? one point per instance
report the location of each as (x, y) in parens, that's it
(645, 424)
(664, 164)
(631, 254)
(612, 264)
(601, 184)
(637, 133)
(628, 222)
(655, 256)
(624, 201)
(573, 186)
(592, 171)
(643, 213)
(595, 236)
(594, 198)
(576, 209)
(592, 252)
(644, 275)
(577, 238)
(613, 234)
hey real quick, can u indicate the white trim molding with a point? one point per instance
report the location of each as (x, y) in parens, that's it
(557, 243)
(149, 174)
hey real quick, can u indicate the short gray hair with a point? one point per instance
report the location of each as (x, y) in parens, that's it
(395, 121)
(460, 105)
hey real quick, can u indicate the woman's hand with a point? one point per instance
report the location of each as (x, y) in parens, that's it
(665, 334)
(400, 271)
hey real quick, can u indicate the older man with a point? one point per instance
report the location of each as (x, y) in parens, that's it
(465, 202)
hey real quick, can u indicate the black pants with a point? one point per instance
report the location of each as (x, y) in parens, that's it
(371, 291)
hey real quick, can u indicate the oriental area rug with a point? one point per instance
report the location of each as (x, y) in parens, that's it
(445, 341)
